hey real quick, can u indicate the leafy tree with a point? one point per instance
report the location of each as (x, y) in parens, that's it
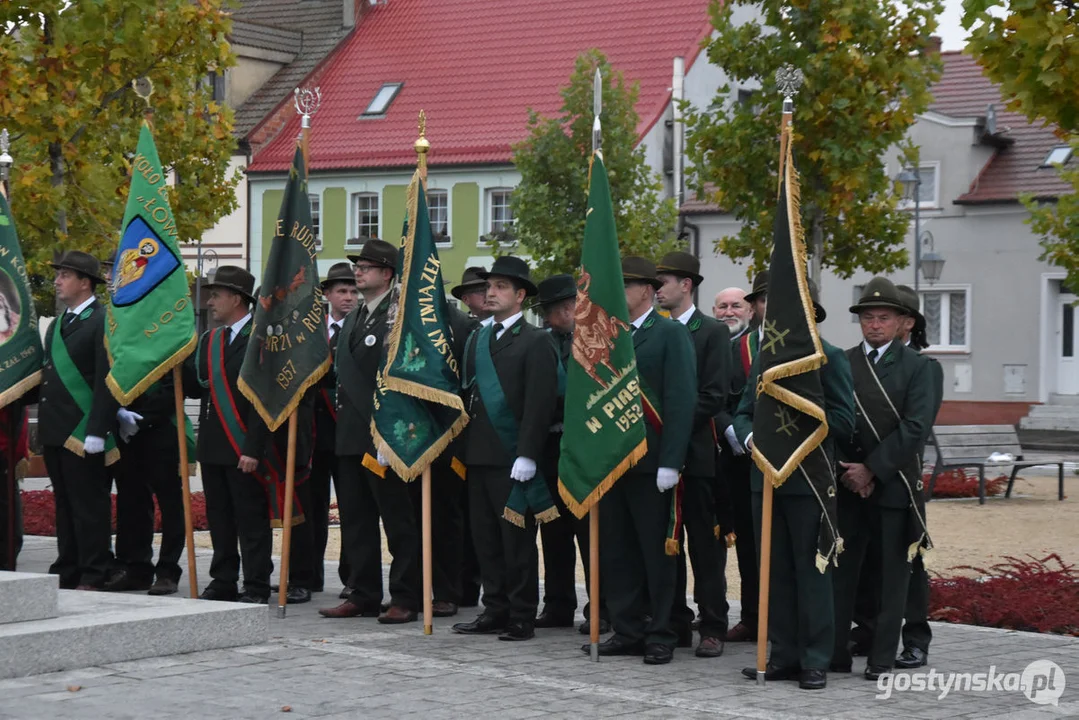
(66, 71)
(550, 202)
(1032, 52)
(867, 74)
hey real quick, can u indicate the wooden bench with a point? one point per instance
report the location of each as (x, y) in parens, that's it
(969, 446)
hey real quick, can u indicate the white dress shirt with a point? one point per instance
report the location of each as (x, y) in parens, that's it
(867, 348)
(507, 324)
(684, 317)
(237, 326)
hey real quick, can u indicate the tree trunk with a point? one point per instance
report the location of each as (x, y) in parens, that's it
(56, 163)
(816, 255)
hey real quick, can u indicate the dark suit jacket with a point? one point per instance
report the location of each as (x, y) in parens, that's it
(711, 342)
(838, 386)
(666, 363)
(57, 414)
(357, 367)
(213, 444)
(461, 326)
(725, 417)
(907, 378)
(325, 420)
(526, 363)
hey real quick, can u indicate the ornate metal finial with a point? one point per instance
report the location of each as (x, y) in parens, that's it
(307, 103)
(422, 145)
(144, 88)
(597, 110)
(789, 79)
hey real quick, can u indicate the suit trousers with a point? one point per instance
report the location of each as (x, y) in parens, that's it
(149, 467)
(238, 515)
(509, 560)
(746, 534)
(860, 523)
(559, 550)
(82, 489)
(867, 597)
(361, 536)
(801, 612)
(699, 524)
(638, 572)
(4, 514)
(448, 495)
(302, 564)
(323, 468)
(916, 630)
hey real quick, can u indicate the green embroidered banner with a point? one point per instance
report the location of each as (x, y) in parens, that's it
(604, 432)
(418, 409)
(21, 354)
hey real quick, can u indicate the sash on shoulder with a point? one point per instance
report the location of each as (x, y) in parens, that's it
(524, 496)
(80, 392)
(673, 543)
(882, 418)
(271, 470)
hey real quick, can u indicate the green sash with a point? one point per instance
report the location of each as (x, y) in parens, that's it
(80, 392)
(271, 470)
(532, 495)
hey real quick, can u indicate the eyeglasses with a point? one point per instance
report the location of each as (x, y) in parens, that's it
(366, 268)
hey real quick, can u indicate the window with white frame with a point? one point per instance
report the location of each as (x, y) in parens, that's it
(365, 212)
(438, 210)
(316, 218)
(928, 188)
(947, 318)
(500, 214)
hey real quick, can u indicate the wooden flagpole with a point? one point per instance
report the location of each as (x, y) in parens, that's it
(593, 580)
(286, 516)
(428, 573)
(185, 481)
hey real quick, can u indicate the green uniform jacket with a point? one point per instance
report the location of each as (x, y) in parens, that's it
(666, 365)
(712, 343)
(357, 360)
(838, 386)
(908, 378)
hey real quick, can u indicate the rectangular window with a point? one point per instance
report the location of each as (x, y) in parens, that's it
(438, 210)
(365, 209)
(928, 188)
(501, 215)
(316, 218)
(947, 319)
(1067, 347)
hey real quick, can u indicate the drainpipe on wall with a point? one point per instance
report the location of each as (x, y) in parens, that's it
(678, 130)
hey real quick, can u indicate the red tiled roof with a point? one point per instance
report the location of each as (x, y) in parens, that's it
(475, 67)
(964, 91)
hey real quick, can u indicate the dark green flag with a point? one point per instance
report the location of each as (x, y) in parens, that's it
(418, 410)
(20, 344)
(289, 349)
(604, 432)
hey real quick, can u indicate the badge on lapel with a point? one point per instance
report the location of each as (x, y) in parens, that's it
(369, 341)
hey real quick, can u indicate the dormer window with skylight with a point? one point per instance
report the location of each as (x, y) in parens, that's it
(381, 102)
(1057, 156)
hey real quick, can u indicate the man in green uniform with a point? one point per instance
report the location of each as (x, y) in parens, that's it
(635, 514)
(679, 273)
(800, 612)
(881, 495)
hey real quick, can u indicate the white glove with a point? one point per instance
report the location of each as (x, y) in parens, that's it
(93, 445)
(666, 478)
(732, 440)
(523, 469)
(381, 456)
(129, 423)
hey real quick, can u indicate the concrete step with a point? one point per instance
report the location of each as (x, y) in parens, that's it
(27, 596)
(1034, 422)
(1055, 410)
(96, 628)
(1071, 400)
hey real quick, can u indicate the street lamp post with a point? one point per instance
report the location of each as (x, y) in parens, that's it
(912, 185)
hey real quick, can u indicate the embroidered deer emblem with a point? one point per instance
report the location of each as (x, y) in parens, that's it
(595, 333)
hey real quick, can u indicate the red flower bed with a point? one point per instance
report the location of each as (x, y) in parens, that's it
(1032, 595)
(958, 484)
(39, 512)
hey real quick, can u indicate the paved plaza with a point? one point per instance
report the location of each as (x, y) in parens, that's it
(317, 668)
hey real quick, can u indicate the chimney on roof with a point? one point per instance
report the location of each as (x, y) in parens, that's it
(932, 46)
(353, 11)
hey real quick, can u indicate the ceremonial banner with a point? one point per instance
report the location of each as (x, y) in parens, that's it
(604, 433)
(20, 344)
(289, 349)
(789, 421)
(418, 408)
(150, 324)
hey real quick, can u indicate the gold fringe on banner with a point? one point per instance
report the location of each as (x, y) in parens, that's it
(580, 509)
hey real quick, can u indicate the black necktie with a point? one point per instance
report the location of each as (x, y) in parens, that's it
(872, 355)
(228, 336)
(496, 328)
(69, 316)
(362, 319)
(334, 329)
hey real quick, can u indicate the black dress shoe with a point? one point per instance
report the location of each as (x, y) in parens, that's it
(657, 654)
(912, 658)
(873, 672)
(443, 608)
(548, 619)
(252, 599)
(518, 631)
(297, 595)
(122, 581)
(585, 628)
(813, 680)
(771, 672)
(164, 586)
(483, 625)
(217, 593)
(616, 645)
